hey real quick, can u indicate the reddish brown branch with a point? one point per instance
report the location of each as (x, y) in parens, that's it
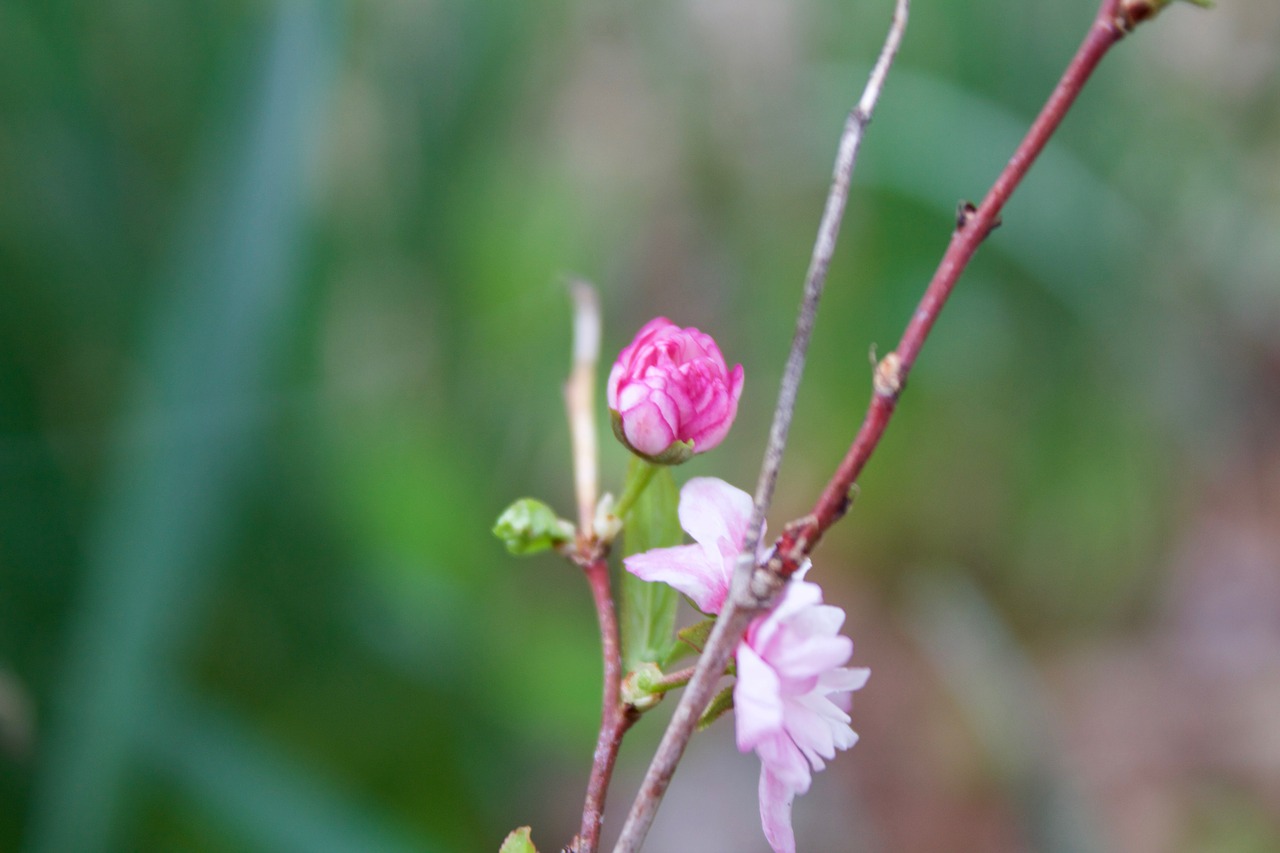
(1113, 21)
(615, 717)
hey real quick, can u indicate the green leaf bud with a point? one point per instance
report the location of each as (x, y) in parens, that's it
(529, 526)
(518, 841)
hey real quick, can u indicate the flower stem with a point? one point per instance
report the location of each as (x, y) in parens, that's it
(639, 475)
(590, 553)
(669, 681)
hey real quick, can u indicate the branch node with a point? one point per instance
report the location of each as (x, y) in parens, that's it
(766, 580)
(1134, 12)
(799, 536)
(967, 212)
(849, 497)
(888, 378)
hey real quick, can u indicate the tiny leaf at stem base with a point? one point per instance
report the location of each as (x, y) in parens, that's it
(518, 841)
(693, 640)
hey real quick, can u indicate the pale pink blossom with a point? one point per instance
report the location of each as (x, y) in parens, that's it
(716, 515)
(790, 678)
(790, 673)
(671, 393)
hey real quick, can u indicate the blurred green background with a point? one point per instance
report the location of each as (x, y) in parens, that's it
(283, 325)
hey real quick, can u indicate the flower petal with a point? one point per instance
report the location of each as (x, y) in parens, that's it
(842, 680)
(785, 760)
(716, 515)
(775, 813)
(686, 568)
(757, 700)
(809, 658)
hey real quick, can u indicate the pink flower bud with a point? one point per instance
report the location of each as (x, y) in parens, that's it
(671, 394)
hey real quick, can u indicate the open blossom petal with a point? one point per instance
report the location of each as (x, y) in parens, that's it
(688, 569)
(757, 699)
(716, 515)
(775, 812)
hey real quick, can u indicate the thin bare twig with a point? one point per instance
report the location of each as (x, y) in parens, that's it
(819, 262)
(1114, 19)
(745, 601)
(579, 398)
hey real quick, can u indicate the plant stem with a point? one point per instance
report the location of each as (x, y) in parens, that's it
(972, 227)
(816, 276)
(615, 718)
(745, 601)
(579, 401)
(638, 479)
(590, 553)
(671, 680)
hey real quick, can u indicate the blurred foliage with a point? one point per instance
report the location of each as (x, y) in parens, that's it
(283, 326)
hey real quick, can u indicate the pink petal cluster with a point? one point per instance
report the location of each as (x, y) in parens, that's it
(789, 670)
(790, 663)
(672, 385)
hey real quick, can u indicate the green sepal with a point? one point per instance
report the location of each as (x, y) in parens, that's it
(529, 526)
(692, 640)
(649, 609)
(518, 842)
(676, 453)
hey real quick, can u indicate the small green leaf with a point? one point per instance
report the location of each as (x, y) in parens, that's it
(529, 526)
(649, 609)
(518, 842)
(717, 708)
(693, 639)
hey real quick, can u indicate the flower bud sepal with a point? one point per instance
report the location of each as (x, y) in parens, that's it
(677, 452)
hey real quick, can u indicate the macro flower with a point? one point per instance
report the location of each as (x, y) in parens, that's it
(671, 394)
(790, 698)
(716, 515)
